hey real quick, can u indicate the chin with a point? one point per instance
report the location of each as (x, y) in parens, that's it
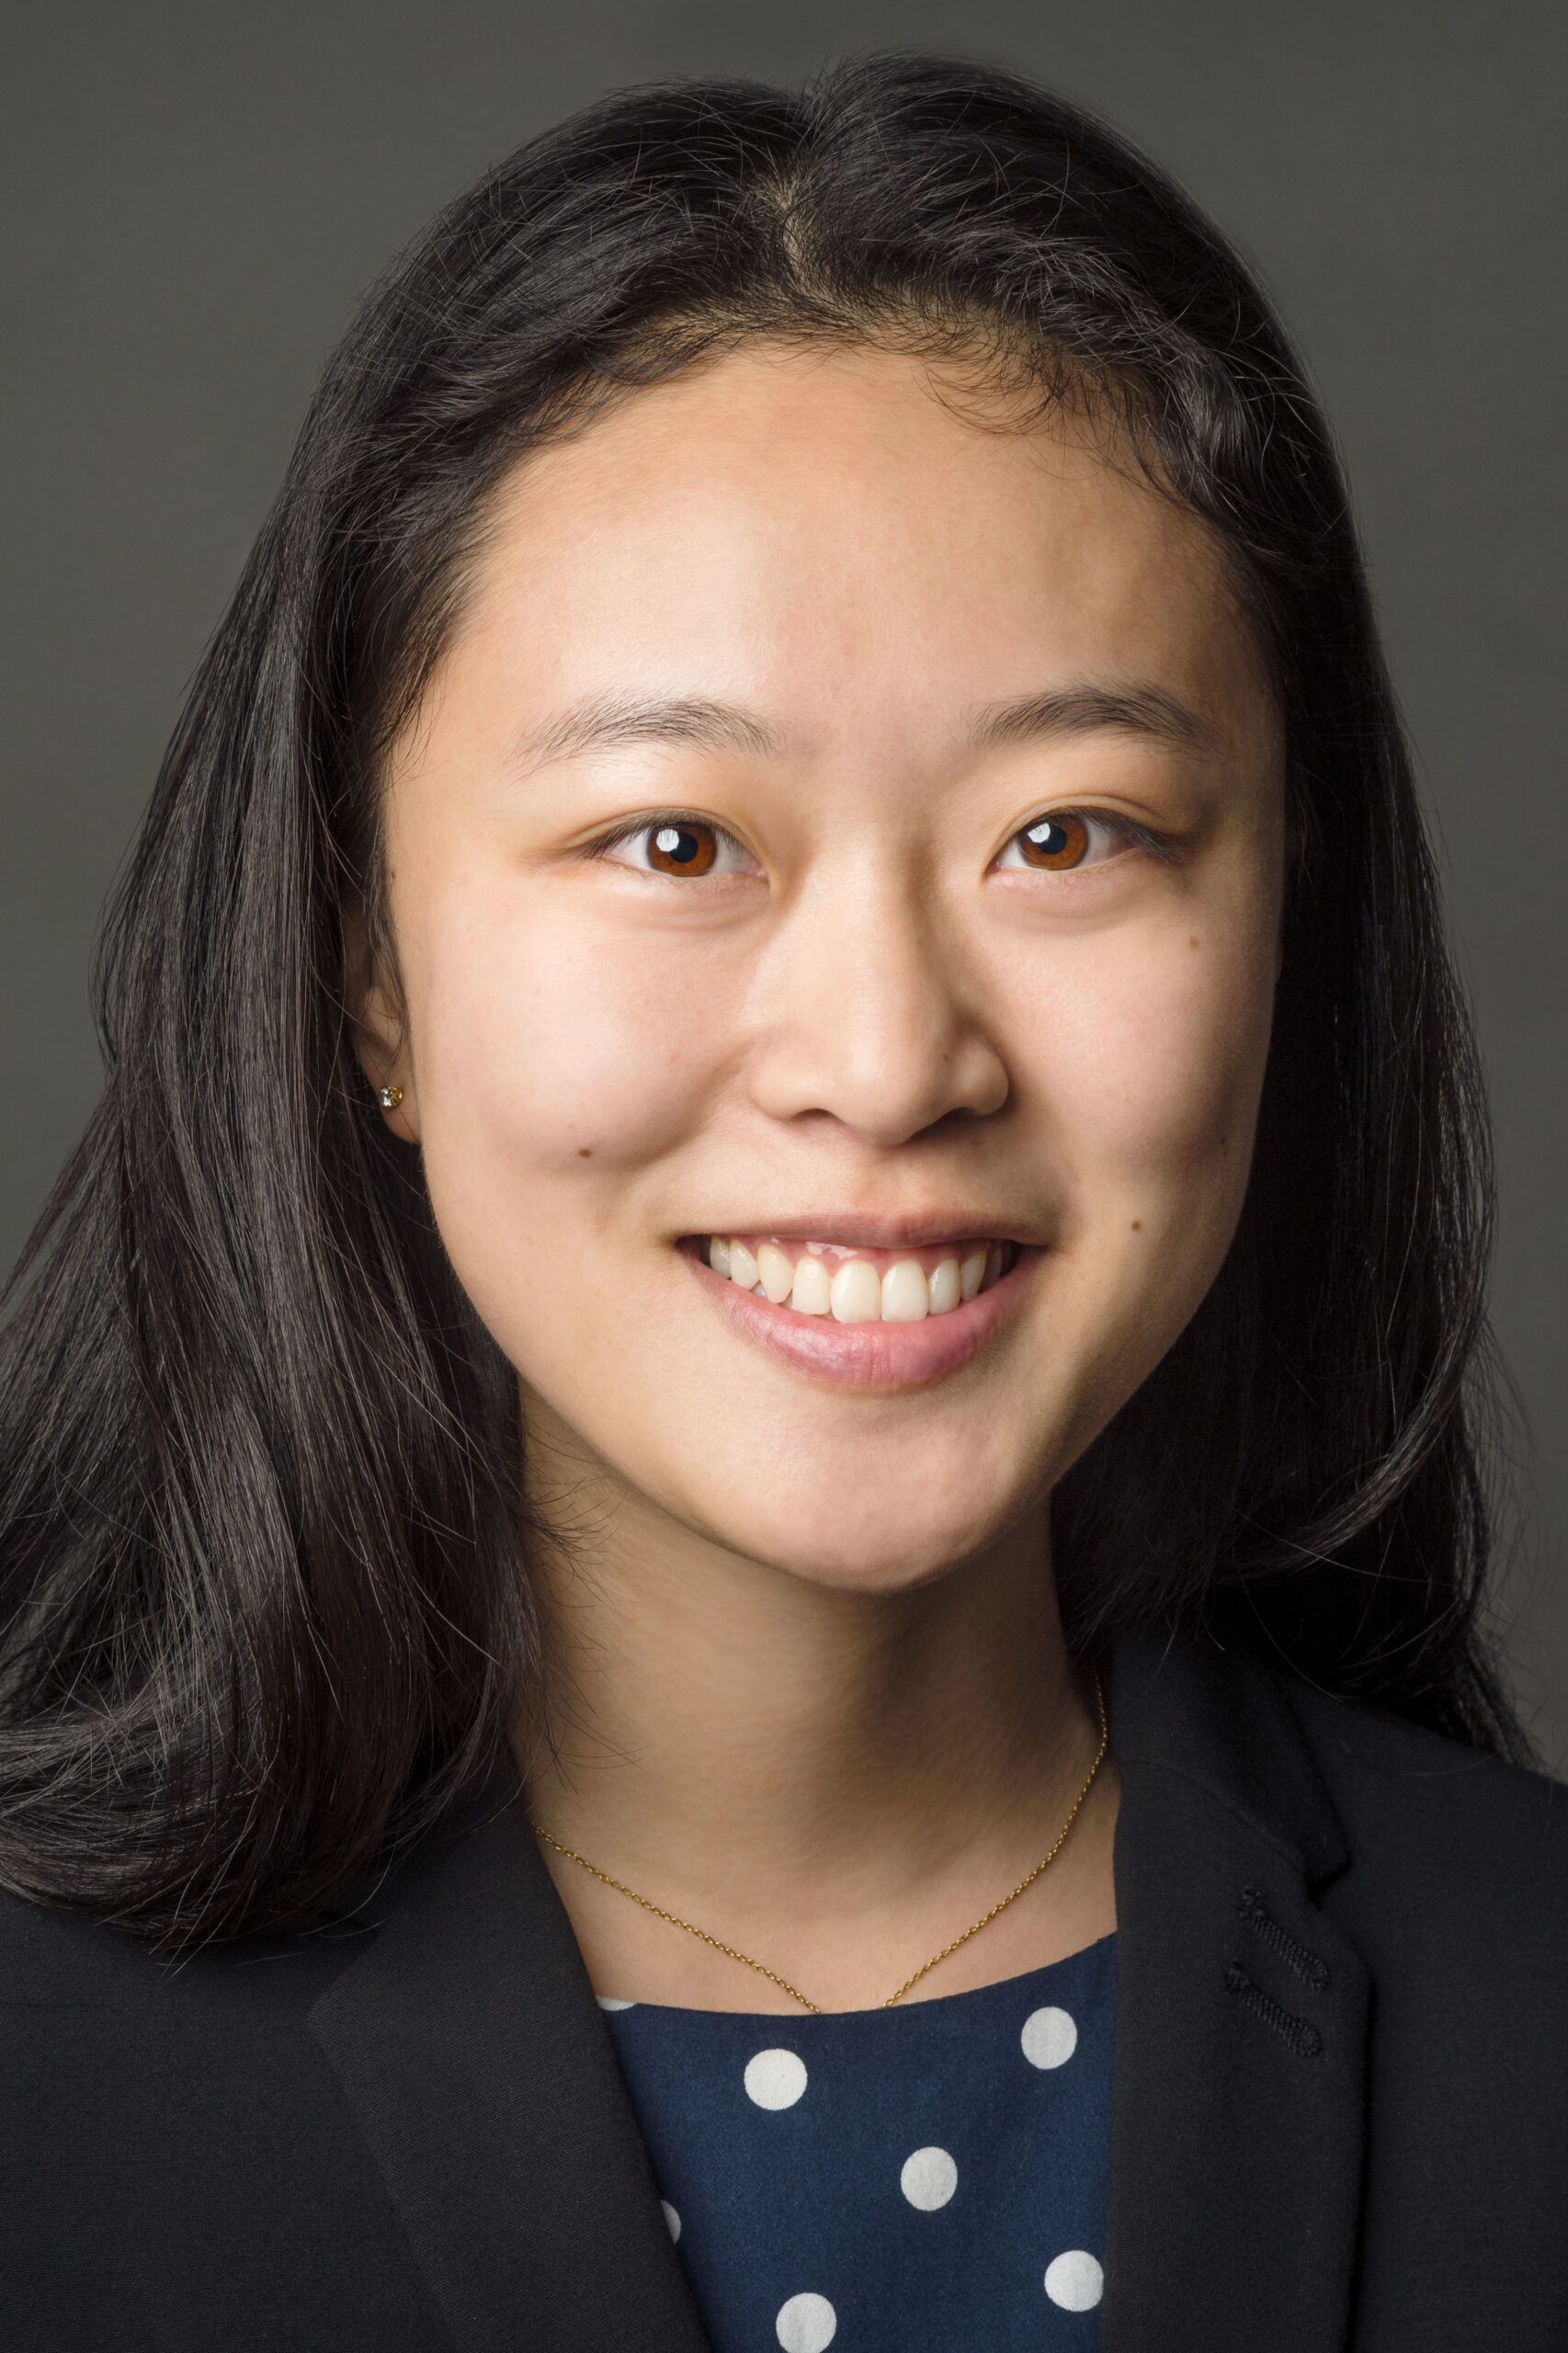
(875, 1549)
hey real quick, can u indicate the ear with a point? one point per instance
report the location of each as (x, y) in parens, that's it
(381, 1028)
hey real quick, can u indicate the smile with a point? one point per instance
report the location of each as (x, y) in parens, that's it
(864, 1316)
(860, 1286)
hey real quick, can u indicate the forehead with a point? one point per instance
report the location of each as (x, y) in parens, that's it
(842, 535)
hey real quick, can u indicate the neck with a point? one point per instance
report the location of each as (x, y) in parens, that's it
(775, 1757)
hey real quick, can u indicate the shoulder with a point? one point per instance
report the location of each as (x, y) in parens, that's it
(103, 2037)
(1446, 1868)
(167, 2123)
(1441, 1829)
(59, 1965)
(65, 1982)
(1454, 1895)
(1346, 1789)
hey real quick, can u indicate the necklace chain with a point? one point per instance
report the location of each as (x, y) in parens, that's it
(924, 1970)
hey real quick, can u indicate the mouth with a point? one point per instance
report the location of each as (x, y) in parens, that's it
(860, 1314)
(859, 1285)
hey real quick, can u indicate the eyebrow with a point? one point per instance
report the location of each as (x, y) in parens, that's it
(1084, 709)
(608, 723)
(605, 722)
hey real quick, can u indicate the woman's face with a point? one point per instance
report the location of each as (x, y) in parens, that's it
(848, 828)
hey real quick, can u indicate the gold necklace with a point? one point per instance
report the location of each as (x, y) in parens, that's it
(783, 1982)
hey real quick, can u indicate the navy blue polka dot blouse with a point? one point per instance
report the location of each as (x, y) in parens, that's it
(915, 2180)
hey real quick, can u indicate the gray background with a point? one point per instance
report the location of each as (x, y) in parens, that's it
(197, 191)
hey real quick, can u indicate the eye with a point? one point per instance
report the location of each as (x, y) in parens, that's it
(1066, 839)
(682, 847)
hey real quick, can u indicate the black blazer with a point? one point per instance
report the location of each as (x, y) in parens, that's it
(1339, 2117)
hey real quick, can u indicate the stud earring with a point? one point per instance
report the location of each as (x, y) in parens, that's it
(390, 1098)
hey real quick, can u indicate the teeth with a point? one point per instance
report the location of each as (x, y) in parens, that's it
(856, 1293)
(906, 1295)
(775, 1273)
(813, 1294)
(947, 1286)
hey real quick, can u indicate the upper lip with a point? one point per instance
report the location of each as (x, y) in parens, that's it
(872, 1233)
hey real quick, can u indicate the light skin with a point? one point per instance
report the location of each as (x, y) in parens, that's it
(853, 632)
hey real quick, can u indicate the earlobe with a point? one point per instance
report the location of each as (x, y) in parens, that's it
(381, 1048)
(380, 1042)
(397, 1109)
(384, 1061)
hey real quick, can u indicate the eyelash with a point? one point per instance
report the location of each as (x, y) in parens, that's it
(1130, 834)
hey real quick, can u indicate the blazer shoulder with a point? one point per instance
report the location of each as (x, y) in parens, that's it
(83, 1987)
(52, 1957)
(1441, 1832)
(178, 2153)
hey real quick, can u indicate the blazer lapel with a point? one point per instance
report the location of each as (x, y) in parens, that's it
(470, 2047)
(1239, 2092)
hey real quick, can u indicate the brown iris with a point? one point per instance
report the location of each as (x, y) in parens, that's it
(682, 849)
(1055, 842)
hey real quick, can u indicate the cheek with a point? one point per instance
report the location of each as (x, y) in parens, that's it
(1153, 1062)
(1151, 1074)
(542, 1045)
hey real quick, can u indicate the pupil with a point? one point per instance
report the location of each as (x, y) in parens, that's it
(676, 843)
(1047, 836)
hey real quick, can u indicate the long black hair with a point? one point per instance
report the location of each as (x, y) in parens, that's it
(264, 1608)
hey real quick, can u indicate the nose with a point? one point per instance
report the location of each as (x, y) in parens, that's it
(867, 1014)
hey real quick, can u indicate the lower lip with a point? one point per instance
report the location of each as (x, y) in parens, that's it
(873, 1356)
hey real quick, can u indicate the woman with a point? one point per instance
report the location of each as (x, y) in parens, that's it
(771, 1318)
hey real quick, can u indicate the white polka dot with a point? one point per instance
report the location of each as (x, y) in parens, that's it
(928, 2179)
(776, 2079)
(806, 2325)
(1049, 2038)
(608, 2002)
(1075, 2282)
(671, 2216)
